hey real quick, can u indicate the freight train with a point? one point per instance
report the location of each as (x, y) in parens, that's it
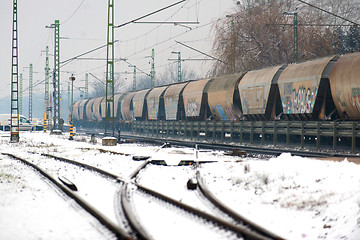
(321, 89)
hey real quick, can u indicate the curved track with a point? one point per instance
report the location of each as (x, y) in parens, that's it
(129, 226)
(202, 188)
(243, 228)
(118, 232)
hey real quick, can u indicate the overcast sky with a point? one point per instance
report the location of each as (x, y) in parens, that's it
(83, 28)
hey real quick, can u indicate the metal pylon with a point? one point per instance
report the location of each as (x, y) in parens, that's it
(56, 76)
(47, 89)
(20, 92)
(134, 79)
(14, 128)
(179, 66)
(109, 116)
(152, 72)
(86, 85)
(296, 37)
(30, 90)
(69, 101)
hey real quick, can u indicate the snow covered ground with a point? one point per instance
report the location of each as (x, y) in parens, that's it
(297, 198)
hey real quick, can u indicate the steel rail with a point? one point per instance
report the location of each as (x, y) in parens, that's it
(143, 234)
(228, 211)
(131, 215)
(117, 198)
(89, 167)
(229, 146)
(120, 196)
(240, 230)
(119, 233)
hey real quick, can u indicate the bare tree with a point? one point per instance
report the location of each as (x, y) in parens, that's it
(143, 82)
(99, 85)
(258, 34)
(170, 75)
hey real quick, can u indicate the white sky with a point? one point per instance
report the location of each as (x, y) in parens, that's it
(86, 30)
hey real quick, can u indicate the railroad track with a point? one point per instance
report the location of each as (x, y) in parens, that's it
(267, 151)
(243, 227)
(157, 198)
(252, 150)
(122, 222)
(128, 225)
(69, 191)
(238, 218)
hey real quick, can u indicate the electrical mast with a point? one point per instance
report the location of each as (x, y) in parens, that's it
(69, 101)
(86, 85)
(152, 72)
(47, 87)
(134, 79)
(30, 90)
(20, 93)
(56, 76)
(109, 118)
(14, 128)
(179, 65)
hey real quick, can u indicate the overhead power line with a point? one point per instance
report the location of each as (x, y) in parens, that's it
(73, 13)
(345, 19)
(137, 68)
(312, 25)
(201, 52)
(175, 23)
(93, 50)
(99, 59)
(149, 14)
(97, 78)
(192, 59)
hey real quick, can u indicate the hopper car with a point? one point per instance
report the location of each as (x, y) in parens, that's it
(321, 89)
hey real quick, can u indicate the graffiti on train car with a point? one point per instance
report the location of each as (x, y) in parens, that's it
(171, 107)
(253, 102)
(192, 108)
(355, 98)
(152, 109)
(221, 112)
(301, 100)
(81, 113)
(225, 113)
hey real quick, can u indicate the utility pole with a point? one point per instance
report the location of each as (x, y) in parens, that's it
(30, 90)
(152, 71)
(47, 87)
(86, 85)
(69, 101)
(179, 65)
(14, 128)
(109, 118)
(296, 44)
(20, 93)
(56, 77)
(134, 77)
(296, 51)
(233, 43)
